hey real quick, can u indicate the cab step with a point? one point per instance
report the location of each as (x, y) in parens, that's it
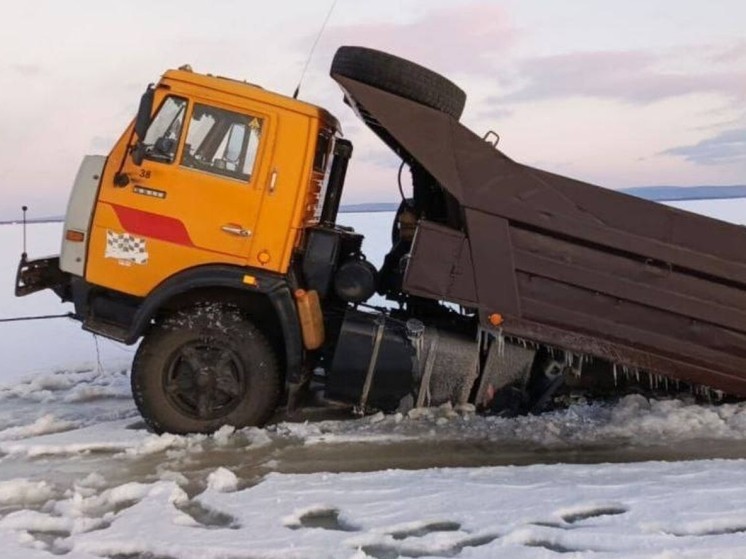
(106, 329)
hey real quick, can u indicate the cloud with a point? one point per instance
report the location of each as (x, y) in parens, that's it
(26, 70)
(495, 113)
(727, 147)
(633, 77)
(458, 39)
(734, 53)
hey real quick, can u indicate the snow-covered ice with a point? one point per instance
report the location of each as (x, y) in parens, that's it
(80, 475)
(654, 509)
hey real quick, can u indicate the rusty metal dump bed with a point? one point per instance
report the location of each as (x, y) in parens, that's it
(568, 263)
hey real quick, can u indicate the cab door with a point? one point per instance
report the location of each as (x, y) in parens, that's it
(193, 200)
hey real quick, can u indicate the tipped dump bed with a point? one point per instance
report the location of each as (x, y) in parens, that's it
(568, 263)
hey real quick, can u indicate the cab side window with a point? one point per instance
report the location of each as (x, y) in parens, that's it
(222, 142)
(163, 134)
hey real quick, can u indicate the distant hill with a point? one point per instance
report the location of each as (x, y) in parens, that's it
(654, 193)
(370, 207)
(50, 219)
(678, 193)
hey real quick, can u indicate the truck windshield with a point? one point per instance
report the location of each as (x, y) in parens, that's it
(162, 138)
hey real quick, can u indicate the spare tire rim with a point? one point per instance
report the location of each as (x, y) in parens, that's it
(204, 380)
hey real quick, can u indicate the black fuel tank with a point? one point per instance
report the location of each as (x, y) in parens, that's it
(394, 370)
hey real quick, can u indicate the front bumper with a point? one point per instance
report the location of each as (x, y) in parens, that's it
(40, 274)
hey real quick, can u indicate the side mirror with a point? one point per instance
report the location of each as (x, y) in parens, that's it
(142, 121)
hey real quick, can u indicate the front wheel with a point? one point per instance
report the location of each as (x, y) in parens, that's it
(203, 368)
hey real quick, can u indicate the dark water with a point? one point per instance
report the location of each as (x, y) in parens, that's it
(289, 455)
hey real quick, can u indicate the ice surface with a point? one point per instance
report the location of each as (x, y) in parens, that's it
(80, 476)
(654, 509)
(733, 210)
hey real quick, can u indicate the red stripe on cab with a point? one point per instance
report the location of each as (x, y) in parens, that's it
(153, 225)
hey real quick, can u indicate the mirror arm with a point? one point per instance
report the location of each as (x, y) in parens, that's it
(162, 158)
(137, 152)
(139, 128)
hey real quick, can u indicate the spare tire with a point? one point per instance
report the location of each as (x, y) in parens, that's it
(400, 77)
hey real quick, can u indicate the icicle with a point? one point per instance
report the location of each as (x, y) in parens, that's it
(615, 374)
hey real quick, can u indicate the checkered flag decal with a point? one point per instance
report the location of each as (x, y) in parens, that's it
(124, 246)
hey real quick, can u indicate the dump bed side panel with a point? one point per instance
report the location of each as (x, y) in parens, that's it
(574, 265)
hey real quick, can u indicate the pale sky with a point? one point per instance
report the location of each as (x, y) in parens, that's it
(633, 93)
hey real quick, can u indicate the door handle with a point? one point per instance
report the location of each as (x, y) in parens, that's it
(233, 229)
(272, 181)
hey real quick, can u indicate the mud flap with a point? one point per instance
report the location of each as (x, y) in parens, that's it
(504, 384)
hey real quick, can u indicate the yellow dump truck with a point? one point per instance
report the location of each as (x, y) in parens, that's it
(210, 232)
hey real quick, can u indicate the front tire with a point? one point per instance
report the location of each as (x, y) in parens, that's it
(203, 368)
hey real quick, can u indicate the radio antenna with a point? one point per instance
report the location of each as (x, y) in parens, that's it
(313, 47)
(24, 209)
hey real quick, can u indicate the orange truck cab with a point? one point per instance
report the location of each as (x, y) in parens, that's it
(226, 173)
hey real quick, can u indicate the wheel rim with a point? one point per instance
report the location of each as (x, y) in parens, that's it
(205, 380)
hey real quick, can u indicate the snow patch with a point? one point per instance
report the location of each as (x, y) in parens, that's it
(223, 435)
(111, 436)
(25, 492)
(42, 426)
(153, 444)
(222, 480)
(93, 480)
(31, 520)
